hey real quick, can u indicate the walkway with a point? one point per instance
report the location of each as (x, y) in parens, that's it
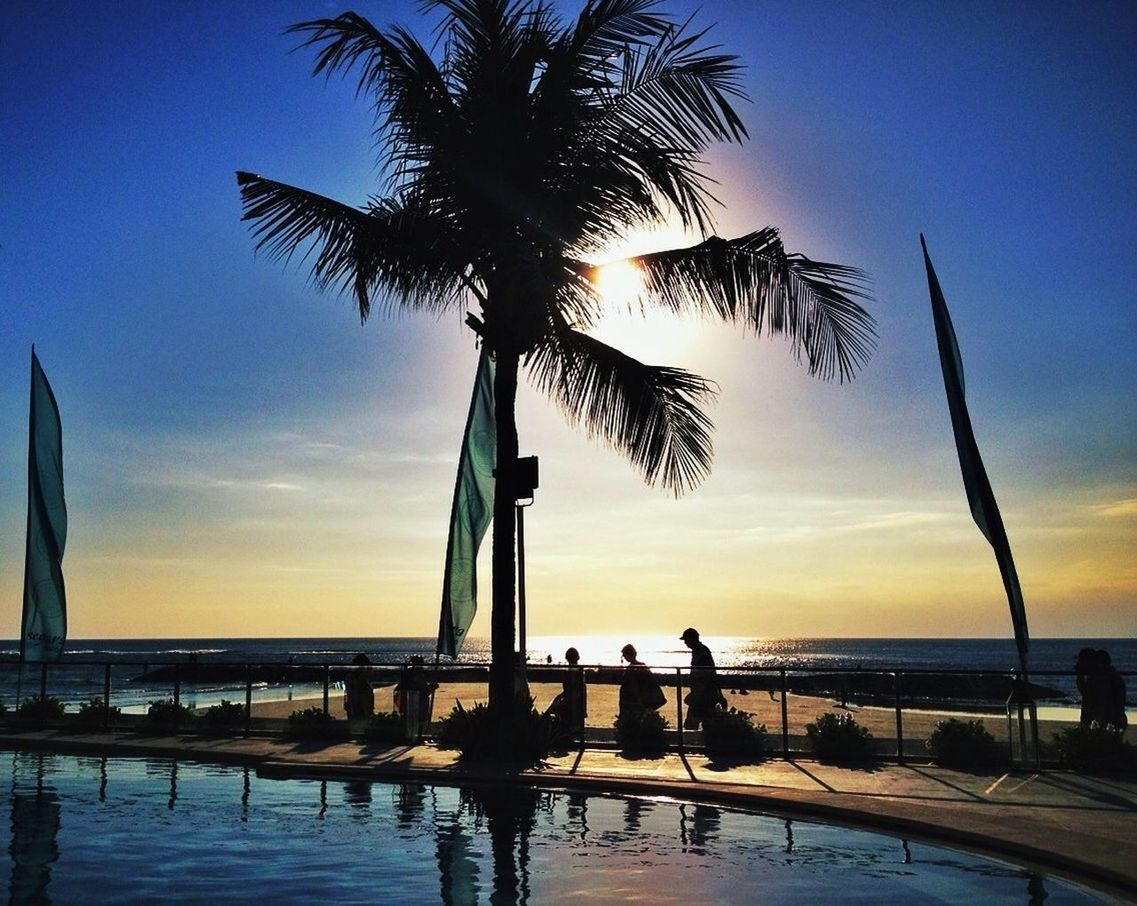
(1079, 826)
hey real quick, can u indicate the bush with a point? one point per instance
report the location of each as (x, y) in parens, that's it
(963, 744)
(641, 732)
(838, 737)
(384, 727)
(481, 734)
(40, 709)
(1093, 748)
(94, 713)
(310, 723)
(224, 717)
(167, 714)
(733, 733)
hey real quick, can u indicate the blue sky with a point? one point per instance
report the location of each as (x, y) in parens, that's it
(243, 458)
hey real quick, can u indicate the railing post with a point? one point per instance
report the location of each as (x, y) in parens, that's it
(327, 679)
(679, 704)
(785, 719)
(899, 718)
(583, 698)
(248, 700)
(106, 696)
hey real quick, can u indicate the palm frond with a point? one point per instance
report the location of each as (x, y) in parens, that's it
(622, 133)
(606, 28)
(681, 91)
(753, 281)
(649, 413)
(413, 108)
(388, 247)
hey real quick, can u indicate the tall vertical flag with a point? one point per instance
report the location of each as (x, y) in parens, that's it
(981, 499)
(45, 602)
(470, 514)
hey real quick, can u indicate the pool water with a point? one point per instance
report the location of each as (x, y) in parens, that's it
(119, 830)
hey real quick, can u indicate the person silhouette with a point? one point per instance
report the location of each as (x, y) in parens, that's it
(705, 694)
(1115, 692)
(639, 689)
(359, 696)
(414, 697)
(1094, 686)
(570, 705)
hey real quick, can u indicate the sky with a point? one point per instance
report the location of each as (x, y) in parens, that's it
(244, 458)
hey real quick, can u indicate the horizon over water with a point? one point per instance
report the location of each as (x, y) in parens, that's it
(658, 650)
(79, 676)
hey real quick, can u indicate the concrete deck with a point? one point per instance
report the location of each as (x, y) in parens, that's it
(1078, 826)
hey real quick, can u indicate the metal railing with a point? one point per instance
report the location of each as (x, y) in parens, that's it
(916, 697)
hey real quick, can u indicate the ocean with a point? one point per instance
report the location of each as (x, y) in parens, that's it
(80, 676)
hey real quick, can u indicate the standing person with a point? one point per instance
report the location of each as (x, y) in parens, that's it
(1094, 686)
(359, 696)
(705, 694)
(1113, 682)
(414, 697)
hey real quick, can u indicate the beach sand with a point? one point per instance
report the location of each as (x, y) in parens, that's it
(603, 703)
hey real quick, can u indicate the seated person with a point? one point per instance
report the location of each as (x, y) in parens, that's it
(570, 705)
(639, 690)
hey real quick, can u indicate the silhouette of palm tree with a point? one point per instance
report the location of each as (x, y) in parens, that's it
(516, 147)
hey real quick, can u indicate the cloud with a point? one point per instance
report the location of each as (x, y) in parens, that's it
(1118, 509)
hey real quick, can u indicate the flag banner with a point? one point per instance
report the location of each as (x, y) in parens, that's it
(470, 514)
(45, 603)
(981, 499)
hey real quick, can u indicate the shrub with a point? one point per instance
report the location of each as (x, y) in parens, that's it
(641, 731)
(40, 709)
(384, 727)
(963, 744)
(838, 737)
(310, 723)
(167, 714)
(1092, 748)
(94, 713)
(733, 733)
(480, 733)
(225, 716)
(3, 710)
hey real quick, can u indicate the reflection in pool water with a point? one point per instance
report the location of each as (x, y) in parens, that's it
(99, 830)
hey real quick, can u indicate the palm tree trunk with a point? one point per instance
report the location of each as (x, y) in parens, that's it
(502, 621)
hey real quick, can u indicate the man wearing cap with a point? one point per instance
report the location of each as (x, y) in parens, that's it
(705, 694)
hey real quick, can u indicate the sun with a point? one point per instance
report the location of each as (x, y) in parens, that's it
(651, 335)
(619, 283)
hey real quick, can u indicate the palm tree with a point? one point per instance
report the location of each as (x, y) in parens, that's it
(514, 150)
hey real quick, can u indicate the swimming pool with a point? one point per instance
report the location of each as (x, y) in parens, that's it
(120, 830)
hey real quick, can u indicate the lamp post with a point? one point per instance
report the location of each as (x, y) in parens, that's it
(525, 483)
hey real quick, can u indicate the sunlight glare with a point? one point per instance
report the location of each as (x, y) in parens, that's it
(620, 283)
(651, 335)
